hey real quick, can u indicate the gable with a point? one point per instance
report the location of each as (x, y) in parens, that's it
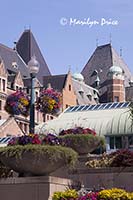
(3, 72)
(68, 83)
(18, 80)
(10, 127)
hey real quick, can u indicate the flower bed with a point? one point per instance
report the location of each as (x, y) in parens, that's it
(109, 194)
(120, 158)
(18, 103)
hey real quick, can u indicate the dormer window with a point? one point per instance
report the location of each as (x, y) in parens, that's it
(89, 97)
(97, 81)
(96, 97)
(14, 65)
(81, 92)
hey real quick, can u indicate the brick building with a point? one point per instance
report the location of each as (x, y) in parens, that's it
(14, 75)
(105, 76)
(96, 73)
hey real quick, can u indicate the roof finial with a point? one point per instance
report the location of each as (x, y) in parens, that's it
(69, 67)
(120, 51)
(96, 42)
(15, 44)
(110, 38)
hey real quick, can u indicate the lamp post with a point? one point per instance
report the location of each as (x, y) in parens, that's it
(33, 66)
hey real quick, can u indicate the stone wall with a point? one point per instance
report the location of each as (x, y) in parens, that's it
(42, 188)
(31, 188)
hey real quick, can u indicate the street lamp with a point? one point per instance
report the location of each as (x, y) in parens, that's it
(33, 66)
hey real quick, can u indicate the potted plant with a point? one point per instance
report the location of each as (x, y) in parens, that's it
(30, 155)
(82, 140)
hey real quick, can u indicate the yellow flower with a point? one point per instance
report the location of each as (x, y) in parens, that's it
(24, 101)
(114, 194)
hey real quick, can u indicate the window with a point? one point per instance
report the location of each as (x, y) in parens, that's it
(89, 97)
(70, 87)
(25, 128)
(0, 83)
(81, 93)
(17, 88)
(0, 105)
(4, 85)
(27, 90)
(115, 142)
(130, 141)
(118, 142)
(21, 125)
(111, 142)
(116, 99)
(51, 117)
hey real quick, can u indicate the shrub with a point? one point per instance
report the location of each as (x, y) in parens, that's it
(122, 158)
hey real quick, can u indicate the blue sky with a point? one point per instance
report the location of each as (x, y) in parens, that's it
(69, 45)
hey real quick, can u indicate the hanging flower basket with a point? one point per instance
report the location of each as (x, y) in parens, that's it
(49, 101)
(18, 103)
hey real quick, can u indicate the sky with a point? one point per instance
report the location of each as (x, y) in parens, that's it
(68, 31)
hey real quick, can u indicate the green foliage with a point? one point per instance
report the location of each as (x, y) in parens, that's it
(53, 152)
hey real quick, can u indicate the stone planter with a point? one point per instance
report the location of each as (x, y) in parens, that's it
(82, 143)
(36, 159)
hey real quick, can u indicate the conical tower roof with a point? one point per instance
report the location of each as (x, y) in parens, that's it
(28, 47)
(101, 60)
